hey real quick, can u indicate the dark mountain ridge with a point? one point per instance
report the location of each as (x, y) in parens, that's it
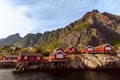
(29, 40)
(94, 28)
(10, 40)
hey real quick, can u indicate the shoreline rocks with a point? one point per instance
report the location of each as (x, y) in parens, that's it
(93, 61)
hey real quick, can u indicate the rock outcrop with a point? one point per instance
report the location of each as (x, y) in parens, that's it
(94, 28)
(93, 61)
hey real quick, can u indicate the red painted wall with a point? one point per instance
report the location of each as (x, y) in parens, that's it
(29, 58)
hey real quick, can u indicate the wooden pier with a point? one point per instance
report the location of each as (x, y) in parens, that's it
(7, 64)
(53, 65)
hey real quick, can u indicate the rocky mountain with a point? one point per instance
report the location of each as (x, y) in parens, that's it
(29, 40)
(10, 40)
(93, 28)
(1, 39)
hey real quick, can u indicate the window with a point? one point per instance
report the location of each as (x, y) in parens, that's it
(107, 48)
(25, 57)
(59, 55)
(38, 58)
(73, 49)
(90, 49)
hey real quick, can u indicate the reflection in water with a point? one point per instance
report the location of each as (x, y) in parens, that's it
(90, 75)
(11, 74)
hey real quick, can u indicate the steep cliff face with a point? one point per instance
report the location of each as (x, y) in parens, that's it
(94, 28)
(107, 26)
(93, 61)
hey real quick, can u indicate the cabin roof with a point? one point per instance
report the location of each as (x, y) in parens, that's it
(58, 49)
(30, 54)
(103, 45)
(70, 48)
(53, 53)
(89, 46)
(8, 55)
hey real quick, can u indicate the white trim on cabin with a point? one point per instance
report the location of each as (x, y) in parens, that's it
(108, 48)
(107, 45)
(38, 57)
(59, 56)
(58, 52)
(73, 49)
(89, 46)
(90, 49)
(25, 57)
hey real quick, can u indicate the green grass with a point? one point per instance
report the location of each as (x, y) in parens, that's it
(83, 25)
(116, 44)
(52, 45)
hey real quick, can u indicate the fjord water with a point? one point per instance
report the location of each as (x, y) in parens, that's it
(11, 74)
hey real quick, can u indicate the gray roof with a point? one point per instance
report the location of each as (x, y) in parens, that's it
(8, 55)
(30, 54)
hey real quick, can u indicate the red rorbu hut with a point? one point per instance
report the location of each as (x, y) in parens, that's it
(71, 50)
(88, 49)
(30, 57)
(106, 48)
(57, 55)
(9, 57)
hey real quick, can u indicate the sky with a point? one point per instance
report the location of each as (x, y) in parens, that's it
(33, 16)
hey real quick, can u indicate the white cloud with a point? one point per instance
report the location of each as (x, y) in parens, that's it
(42, 15)
(13, 20)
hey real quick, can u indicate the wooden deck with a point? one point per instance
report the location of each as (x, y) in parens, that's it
(44, 65)
(21, 66)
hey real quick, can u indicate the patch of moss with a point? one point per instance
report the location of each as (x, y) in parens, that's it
(116, 44)
(90, 34)
(53, 45)
(83, 25)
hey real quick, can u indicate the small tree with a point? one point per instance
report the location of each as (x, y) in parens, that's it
(38, 50)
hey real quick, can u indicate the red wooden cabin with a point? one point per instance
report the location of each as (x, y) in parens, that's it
(106, 48)
(88, 49)
(71, 49)
(9, 57)
(57, 55)
(30, 57)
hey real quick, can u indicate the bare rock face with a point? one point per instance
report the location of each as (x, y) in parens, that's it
(94, 28)
(93, 61)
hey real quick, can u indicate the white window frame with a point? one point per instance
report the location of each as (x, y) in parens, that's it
(25, 57)
(73, 49)
(89, 49)
(59, 56)
(38, 57)
(108, 48)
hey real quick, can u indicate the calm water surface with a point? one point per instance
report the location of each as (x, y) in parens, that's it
(11, 74)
